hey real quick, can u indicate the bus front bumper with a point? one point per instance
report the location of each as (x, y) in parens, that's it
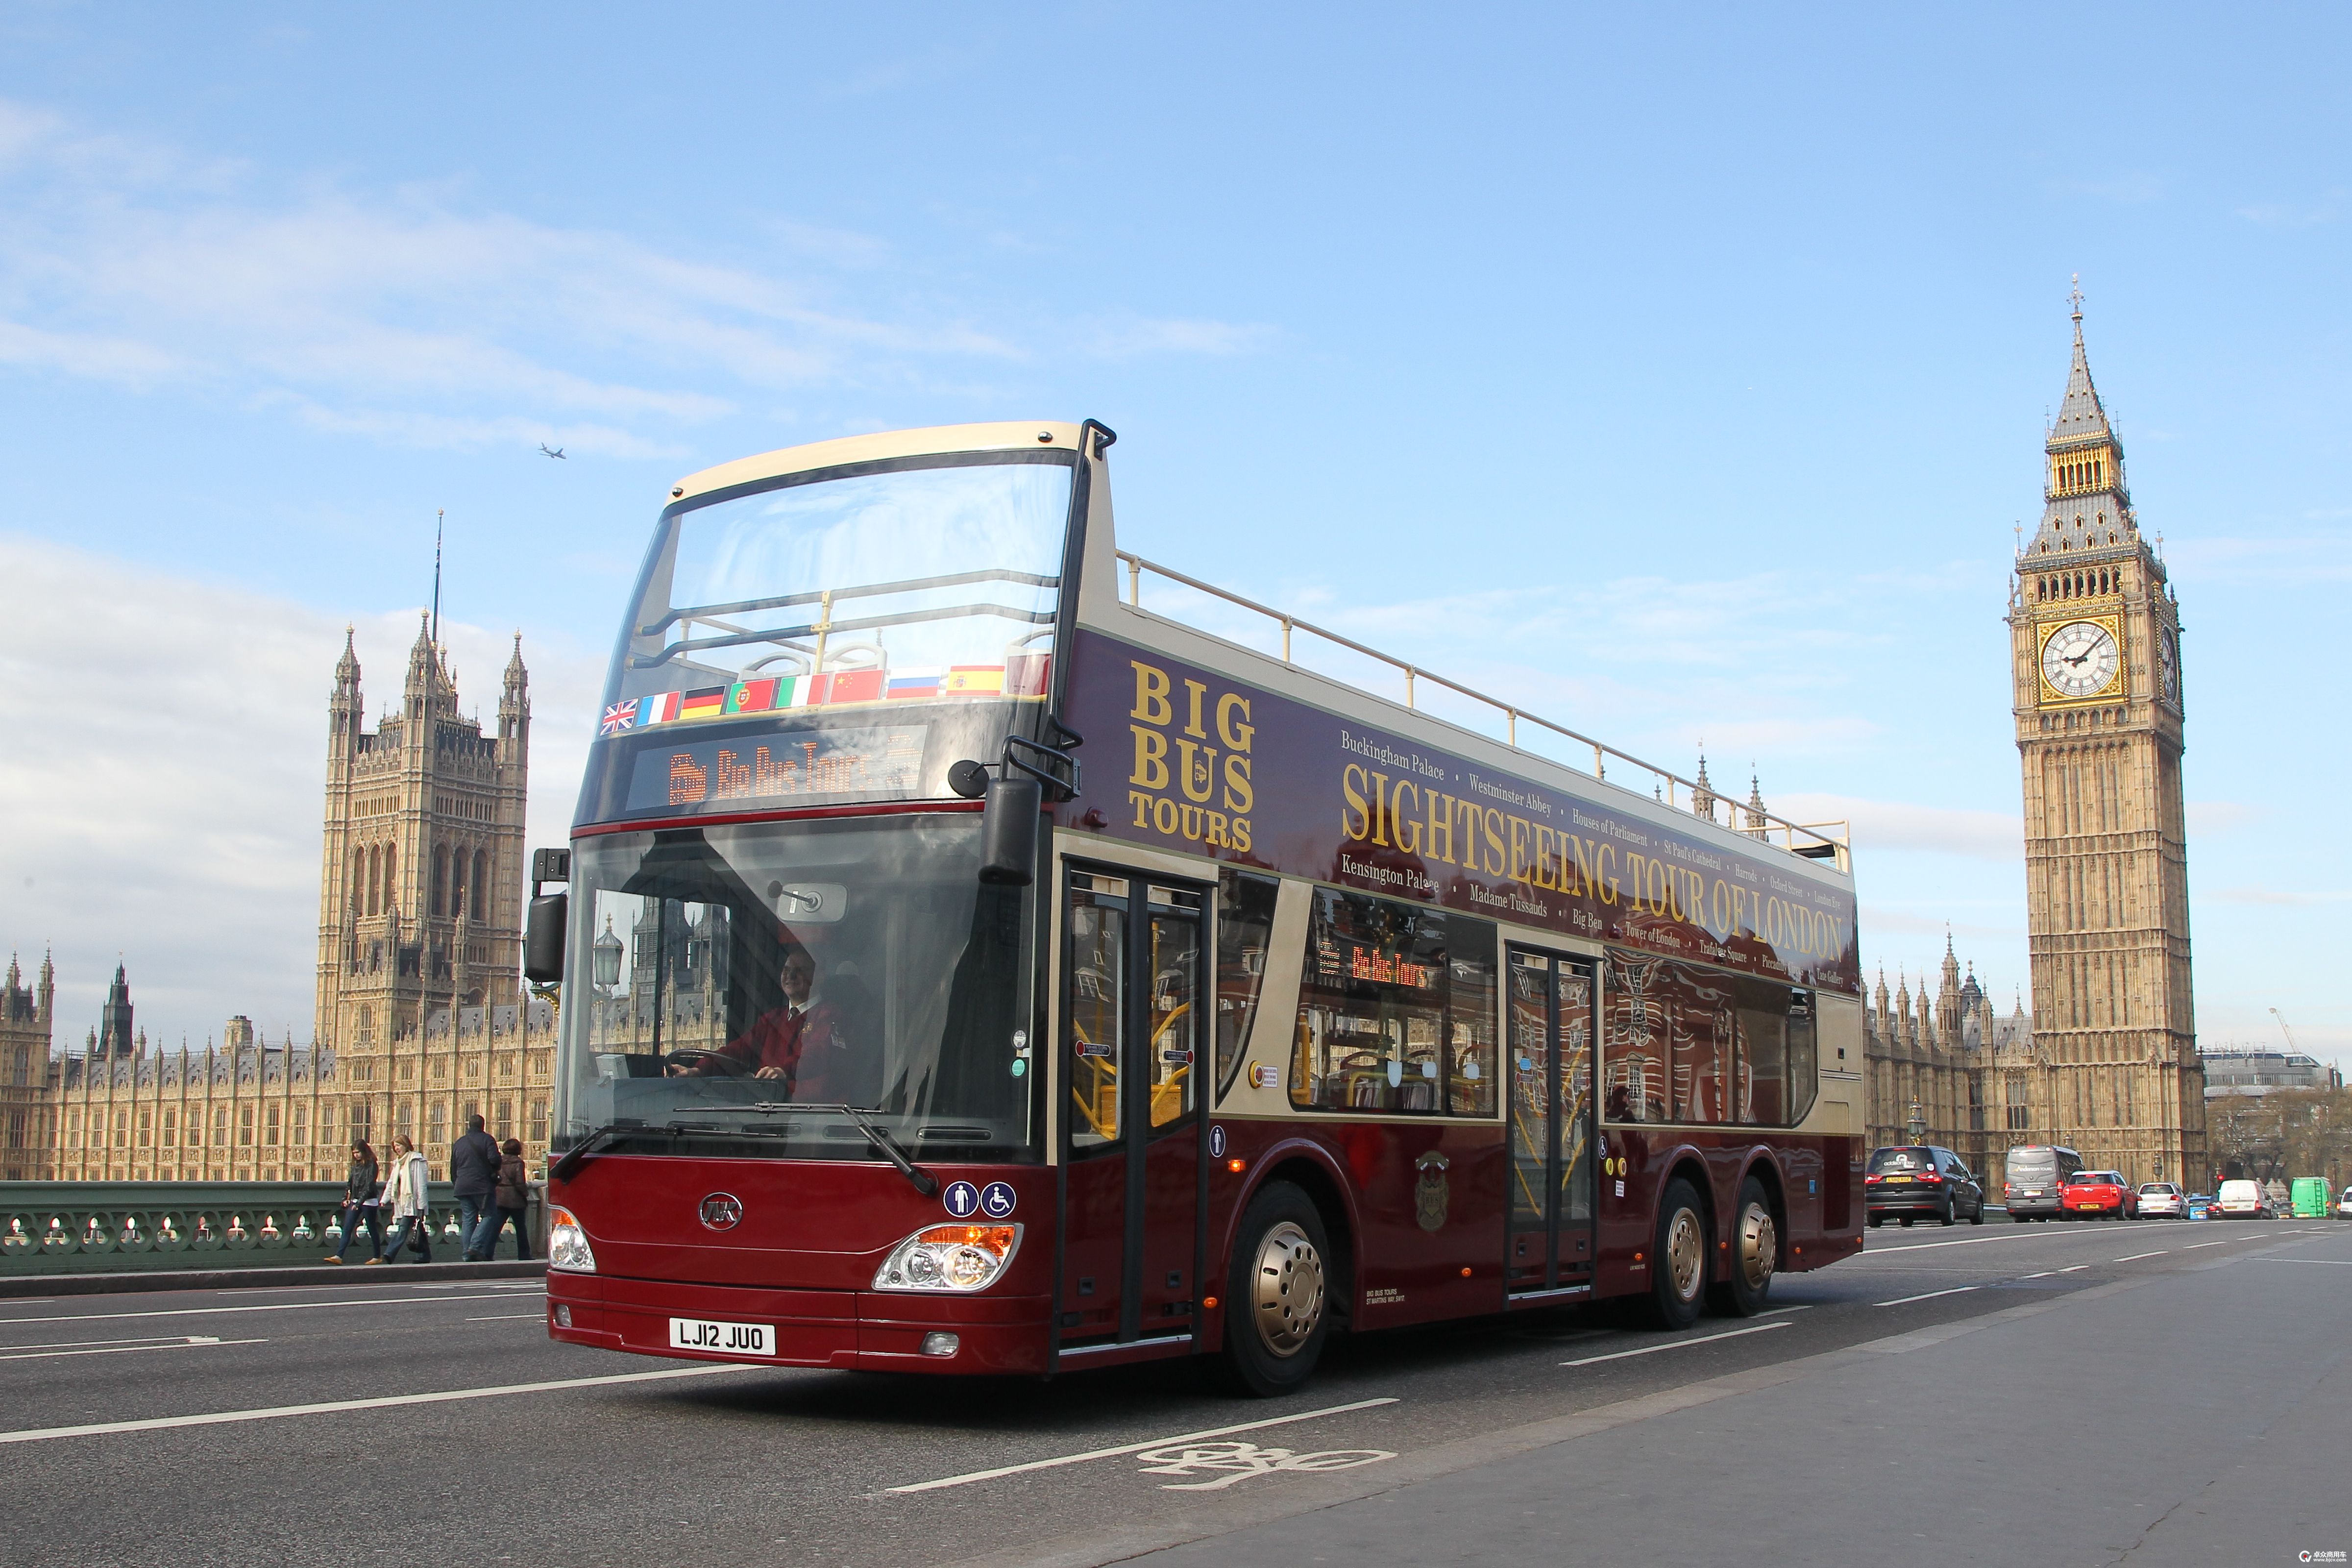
(861, 1330)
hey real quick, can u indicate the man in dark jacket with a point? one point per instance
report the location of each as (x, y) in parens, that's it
(473, 1177)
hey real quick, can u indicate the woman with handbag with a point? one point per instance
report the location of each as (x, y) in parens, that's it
(404, 1200)
(512, 1195)
(362, 1191)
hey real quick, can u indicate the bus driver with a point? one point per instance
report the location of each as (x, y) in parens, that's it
(792, 1042)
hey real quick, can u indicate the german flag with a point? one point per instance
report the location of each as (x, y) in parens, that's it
(707, 703)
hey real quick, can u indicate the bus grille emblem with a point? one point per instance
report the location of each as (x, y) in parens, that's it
(720, 1210)
(1430, 1193)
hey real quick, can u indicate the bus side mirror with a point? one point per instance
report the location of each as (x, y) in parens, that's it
(1008, 831)
(543, 942)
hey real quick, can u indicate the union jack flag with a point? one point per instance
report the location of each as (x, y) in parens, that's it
(620, 716)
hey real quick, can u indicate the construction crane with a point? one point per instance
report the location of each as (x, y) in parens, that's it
(2287, 1032)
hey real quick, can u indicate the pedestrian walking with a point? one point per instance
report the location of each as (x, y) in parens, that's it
(404, 1200)
(473, 1178)
(361, 1191)
(513, 1195)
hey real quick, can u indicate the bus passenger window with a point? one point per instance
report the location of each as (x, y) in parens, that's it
(1379, 1028)
(1471, 1027)
(1634, 1039)
(1802, 1052)
(1244, 922)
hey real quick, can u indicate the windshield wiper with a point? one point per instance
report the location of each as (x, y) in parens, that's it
(568, 1166)
(925, 1183)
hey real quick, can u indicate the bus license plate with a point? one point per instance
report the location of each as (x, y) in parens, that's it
(713, 1338)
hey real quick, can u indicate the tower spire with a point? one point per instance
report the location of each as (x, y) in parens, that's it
(438, 514)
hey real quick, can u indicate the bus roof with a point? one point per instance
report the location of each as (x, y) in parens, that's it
(880, 446)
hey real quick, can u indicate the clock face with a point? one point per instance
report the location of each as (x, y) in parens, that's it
(2079, 658)
(2168, 669)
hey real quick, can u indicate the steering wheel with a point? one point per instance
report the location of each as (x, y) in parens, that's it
(733, 1067)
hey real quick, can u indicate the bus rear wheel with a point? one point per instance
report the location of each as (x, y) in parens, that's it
(1755, 1254)
(1678, 1266)
(1276, 1294)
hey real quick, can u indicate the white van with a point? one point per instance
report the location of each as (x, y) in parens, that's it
(2241, 1200)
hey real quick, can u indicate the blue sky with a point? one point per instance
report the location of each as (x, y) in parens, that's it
(1680, 373)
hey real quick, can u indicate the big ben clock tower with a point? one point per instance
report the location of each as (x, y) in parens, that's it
(2094, 638)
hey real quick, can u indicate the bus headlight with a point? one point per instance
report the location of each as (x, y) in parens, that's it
(959, 1258)
(567, 1243)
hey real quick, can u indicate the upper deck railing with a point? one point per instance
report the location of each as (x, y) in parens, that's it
(1831, 841)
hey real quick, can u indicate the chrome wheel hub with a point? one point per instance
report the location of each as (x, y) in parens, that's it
(1759, 1247)
(1685, 1254)
(1286, 1289)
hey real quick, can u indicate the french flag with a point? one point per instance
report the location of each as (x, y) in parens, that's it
(661, 710)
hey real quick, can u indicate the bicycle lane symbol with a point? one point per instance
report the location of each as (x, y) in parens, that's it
(1239, 1461)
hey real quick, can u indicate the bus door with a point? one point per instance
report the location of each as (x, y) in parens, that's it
(1548, 1029)
(1133, 1034)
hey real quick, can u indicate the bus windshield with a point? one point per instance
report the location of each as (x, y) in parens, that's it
(730, 984)
(936, 576)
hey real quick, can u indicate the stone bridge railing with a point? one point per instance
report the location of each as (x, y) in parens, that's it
(76, 1227)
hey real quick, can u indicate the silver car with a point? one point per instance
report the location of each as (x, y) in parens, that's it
(2162, 1200)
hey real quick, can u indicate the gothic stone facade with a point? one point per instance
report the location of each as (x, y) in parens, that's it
(422, 1016)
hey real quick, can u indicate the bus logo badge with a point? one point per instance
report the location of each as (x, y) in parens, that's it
(1430, 1193)
(962, 1199)
(722, 1211)
(1216, 1141)
(997, 1199)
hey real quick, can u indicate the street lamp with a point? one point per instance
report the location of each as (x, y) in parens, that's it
(1919, 1125)
(607, 953)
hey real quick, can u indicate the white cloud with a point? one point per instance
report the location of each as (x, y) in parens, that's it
(1901, 825)
(416, 318)
(164, 769)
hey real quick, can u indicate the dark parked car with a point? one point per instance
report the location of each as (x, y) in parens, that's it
(2033, 1175)
(1918, 1180)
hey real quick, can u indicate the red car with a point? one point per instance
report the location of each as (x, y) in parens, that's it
(2098, 1194)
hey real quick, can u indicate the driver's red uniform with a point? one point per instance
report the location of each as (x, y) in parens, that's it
(780, 1038)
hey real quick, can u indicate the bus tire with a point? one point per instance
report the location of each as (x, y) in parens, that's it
(1277, 1294)
(1755, 1254)
(1678, 1267)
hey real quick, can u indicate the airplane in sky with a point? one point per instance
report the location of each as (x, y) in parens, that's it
(545, 452)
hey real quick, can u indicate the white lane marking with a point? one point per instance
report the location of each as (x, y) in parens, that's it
(2135, 1256)
(256, 1307)
(226, 1417)
(134, 1339)
(511, 1318)
(2328, 1262)
(1674, 1344)
(1965, 1241)
(2076, 1269)
(1801, 1307)
(1002, 1470)
(194, 1341)
(1907, 1301)
(2044, 1275)
(2195, 1244)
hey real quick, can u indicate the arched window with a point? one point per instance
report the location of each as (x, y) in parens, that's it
(391, 879)
(481, 874)
(371, 869)
(440, 881)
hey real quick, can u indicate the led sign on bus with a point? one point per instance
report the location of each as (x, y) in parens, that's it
(810, 766)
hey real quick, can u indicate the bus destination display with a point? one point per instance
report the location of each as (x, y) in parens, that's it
(781, 769)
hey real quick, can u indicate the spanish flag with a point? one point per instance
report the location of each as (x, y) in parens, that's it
(974, 680)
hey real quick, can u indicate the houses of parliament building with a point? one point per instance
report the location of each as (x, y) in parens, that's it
(421, 1015)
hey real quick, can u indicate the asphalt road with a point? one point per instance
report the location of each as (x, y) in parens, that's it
(2149, 1393)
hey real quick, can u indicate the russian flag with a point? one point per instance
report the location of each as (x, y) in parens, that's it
(915, 683)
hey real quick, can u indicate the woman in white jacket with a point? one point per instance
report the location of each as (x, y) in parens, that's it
(404, 1203)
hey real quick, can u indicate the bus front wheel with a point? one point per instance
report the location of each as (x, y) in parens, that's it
(1678, 1266)
(1276, 1294)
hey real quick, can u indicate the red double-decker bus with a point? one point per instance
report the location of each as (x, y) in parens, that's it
(967, 969)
